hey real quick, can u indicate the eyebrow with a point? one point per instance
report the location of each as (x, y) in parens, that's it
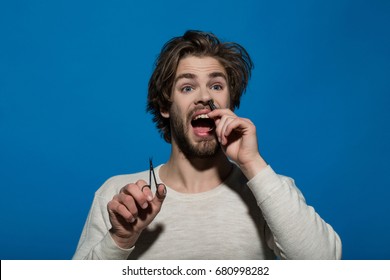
(217, 74)
(193, 76)
(185, 76)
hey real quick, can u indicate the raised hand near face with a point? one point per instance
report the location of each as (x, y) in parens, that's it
(238, 139)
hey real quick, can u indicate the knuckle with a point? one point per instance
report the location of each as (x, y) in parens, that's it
(110, 205)
(133, 211)
(126, 187)
(128, 199)
(129, 189)
(140, 183)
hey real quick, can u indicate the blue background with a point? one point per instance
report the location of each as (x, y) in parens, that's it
(73, 84)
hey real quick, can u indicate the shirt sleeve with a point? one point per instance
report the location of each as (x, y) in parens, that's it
(295, 230)
(96, 242)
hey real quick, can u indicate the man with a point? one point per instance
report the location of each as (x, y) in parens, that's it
(217, 197)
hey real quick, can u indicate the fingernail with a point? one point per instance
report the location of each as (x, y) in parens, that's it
(144, 205)
(161, 196)
(165, 190)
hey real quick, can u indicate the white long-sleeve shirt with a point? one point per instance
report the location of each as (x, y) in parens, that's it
(264, 218)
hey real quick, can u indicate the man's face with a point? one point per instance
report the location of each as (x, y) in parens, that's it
(197, 80)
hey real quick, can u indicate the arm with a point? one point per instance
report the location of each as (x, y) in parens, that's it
(296, 231)
(96, 242)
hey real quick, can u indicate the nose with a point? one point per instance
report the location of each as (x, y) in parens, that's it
(204, 96)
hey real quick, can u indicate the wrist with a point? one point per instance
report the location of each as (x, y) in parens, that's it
(124, 242)
(253, 167)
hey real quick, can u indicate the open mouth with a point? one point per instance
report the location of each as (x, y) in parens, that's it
(202, 124)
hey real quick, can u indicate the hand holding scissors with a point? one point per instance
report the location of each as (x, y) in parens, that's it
(134, 208)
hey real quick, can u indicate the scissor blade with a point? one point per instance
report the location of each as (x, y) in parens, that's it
(152, 171)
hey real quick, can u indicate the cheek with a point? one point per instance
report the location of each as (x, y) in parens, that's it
(229, 99)
(174, 110)
(181, 105)
(224, 100)
(176, 114)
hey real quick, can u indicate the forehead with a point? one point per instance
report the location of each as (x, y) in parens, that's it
(199, 65)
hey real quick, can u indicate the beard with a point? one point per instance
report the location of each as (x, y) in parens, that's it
(179, 130)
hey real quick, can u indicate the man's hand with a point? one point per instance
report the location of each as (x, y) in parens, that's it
(132, 210)
(238, 139)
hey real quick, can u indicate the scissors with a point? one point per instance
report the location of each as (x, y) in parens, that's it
(152, 174)
(212, 105)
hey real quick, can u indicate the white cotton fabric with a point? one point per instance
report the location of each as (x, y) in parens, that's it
(265, 218)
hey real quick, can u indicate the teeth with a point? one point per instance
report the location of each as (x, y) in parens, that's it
(202, 116)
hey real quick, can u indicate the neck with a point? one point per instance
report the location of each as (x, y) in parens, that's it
(197, 174)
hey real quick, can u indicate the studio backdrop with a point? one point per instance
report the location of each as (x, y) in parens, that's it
(73, 85)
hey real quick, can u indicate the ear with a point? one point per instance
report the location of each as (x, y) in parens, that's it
(164, 113)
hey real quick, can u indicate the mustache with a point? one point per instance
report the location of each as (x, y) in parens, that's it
(197, 108)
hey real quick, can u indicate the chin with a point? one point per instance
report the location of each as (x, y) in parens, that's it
(202, 149)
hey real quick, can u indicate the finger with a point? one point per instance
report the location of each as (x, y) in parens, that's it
(141, 183)
(135, 191)
(116, 208)
(220, 115)
(129, 202)
(218, 127)
(238, 124)
(161, 193)
(220, 130)
(224, 133)
(148, 192)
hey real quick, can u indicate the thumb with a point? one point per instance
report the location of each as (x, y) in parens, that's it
(161, 193)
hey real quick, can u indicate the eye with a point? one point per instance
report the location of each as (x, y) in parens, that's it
(216, 87)
(186, 89)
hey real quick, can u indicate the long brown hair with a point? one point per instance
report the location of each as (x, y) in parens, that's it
(232, 56)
